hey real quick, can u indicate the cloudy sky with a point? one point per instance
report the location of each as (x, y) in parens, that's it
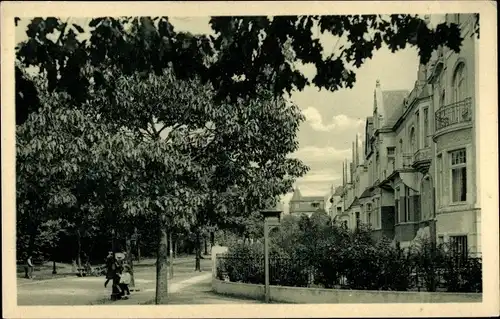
(332, 118)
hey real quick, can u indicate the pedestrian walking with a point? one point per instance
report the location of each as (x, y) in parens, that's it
(110, 268)
(29, 263)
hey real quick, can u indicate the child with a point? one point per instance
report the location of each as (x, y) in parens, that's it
(125, 278)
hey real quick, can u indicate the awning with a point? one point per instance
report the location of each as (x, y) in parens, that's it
(409, 180)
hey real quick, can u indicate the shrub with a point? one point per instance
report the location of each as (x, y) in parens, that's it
(315, 251)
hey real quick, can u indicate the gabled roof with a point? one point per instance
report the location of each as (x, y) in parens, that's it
(366, 193)
(312, 198)
(355, 202)
(338, 191)
(393, 105)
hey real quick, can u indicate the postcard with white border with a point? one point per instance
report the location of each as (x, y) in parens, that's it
(214, 159)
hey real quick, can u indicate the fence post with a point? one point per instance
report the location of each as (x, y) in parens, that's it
(266, 261)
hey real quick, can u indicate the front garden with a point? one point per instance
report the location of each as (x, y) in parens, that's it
(316, 253)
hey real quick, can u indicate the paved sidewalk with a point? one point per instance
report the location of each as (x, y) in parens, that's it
(74, 290)
(176, 285)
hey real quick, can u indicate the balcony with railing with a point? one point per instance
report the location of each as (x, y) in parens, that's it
(422, 159)
(453, 114)
(402, 162)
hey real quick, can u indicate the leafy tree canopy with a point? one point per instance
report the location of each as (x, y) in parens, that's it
(245, 53)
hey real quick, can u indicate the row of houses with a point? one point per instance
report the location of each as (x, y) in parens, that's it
(415, 173)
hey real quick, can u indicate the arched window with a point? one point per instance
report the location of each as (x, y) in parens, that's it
(459, 89)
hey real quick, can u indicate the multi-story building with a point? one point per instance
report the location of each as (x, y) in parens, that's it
(306, 205)
(355, 176)
(453, 81)
(420, 154)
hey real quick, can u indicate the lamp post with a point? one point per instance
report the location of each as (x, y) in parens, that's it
(271, 220)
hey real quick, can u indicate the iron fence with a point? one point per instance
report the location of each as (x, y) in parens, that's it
(296, 272)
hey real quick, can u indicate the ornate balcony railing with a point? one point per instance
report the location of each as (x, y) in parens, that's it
(423, 154)
(459, 112)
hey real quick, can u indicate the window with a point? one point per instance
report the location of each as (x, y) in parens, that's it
(369, 210)
(339, 210)
(377, 163)
(376, 213)
(417, 131)
(391, 151)
(426, 127)
(459, 91)
(396, 206)
(439, 179)
(315, 205)
(344, 224)
(407, 204)
(413, 141)
(458, 176)
(440, 240)
(357, 220)
(458, 245)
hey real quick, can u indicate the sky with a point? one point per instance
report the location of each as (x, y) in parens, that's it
(332, 118)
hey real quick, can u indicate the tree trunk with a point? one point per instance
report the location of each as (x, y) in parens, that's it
(161, 265)
(171, 255)
(130, 262)
(31, 246)
(198, 251)
(138, 253)
(138, 245)
(176, 244)
(79, 248)
(206, 246)
(54, 270)
(212, 239)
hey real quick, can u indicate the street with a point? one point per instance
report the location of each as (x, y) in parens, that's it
(187, 287)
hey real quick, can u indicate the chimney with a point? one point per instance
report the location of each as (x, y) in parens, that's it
(343, 175)
(351, 166)
(346, 172)
(353, 155)
(357, 150)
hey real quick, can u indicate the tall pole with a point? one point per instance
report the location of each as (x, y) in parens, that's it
(266, 262)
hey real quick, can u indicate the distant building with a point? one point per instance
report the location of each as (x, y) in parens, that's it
(306, 205)
(336, 207)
